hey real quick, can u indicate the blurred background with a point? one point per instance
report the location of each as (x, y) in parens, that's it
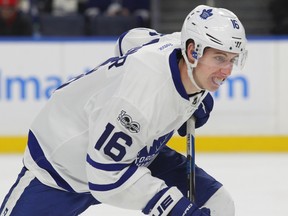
(44, 43)
(112, 17)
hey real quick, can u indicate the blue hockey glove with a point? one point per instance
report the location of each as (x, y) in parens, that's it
(201, 115)
(187, 208)
(170, 201)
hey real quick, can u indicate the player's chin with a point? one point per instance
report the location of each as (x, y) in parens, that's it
(212, 87)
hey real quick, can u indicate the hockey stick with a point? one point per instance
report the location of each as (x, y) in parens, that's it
(190, 138)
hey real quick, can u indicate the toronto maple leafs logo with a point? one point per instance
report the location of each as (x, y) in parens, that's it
(128, 123)
(146, 155)
(206, 13)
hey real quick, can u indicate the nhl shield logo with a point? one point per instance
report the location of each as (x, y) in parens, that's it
(206, 13)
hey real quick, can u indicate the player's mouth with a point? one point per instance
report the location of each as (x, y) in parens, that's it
(218, 81)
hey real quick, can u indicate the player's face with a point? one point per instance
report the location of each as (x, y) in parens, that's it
(213, 68)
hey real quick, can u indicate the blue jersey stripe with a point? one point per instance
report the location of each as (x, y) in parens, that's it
(106, 167)
(106, 187)
(41, 160)
(120, 42)
(7, 197)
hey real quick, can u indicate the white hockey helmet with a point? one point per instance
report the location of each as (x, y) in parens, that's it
(212, 27)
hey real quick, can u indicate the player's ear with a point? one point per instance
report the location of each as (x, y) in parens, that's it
(190, 50)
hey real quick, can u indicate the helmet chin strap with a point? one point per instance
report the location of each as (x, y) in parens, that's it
(190, 67)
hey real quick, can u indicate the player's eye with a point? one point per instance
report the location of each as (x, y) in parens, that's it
(234, 60)
(220, 59)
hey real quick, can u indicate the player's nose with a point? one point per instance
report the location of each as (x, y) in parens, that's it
(227, 70)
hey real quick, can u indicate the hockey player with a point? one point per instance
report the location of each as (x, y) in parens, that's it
(101, 138)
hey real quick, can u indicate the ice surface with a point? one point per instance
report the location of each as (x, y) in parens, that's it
(257, 182)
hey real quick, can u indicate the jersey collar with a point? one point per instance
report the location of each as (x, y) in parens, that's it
(175, 72)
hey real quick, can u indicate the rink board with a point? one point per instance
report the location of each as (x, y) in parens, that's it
(250, 109)
(203, 144)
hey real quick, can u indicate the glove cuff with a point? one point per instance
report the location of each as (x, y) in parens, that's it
(166, 202)
(186, 208)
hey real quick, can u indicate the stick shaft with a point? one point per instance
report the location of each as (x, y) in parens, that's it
(191, 158)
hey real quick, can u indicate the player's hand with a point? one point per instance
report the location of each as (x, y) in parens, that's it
(170, 201)
(201, 115)
(187, 208)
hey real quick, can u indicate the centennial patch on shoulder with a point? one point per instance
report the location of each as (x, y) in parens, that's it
(128, 123)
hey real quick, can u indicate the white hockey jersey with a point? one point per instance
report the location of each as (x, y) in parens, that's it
(98, 133)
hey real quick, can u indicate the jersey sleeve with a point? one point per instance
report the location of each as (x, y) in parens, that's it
(115, 141)
(134, 38)
(141, 36)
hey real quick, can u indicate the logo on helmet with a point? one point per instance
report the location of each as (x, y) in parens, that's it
(206, 13)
